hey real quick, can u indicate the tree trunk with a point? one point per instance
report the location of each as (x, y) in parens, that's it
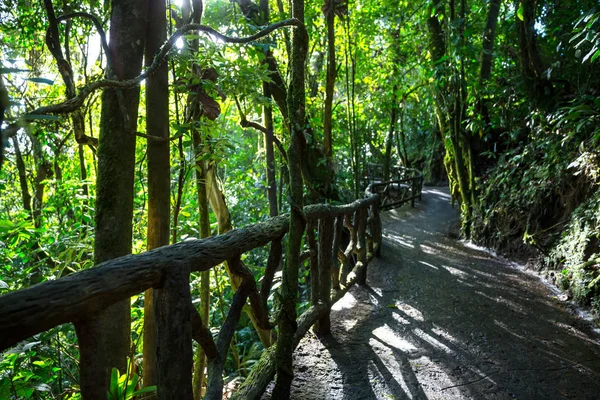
(487, 58)
(532, 67)
(203, 212)
(289, 286)
(116, 163)
(330, 82)
(390, 136)
(25, 196)
(450, 118)
(4, 103)
(196, 113)
(159, 167)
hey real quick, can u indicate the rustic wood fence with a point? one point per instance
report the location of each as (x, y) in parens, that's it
(78, 298)
(405, 185)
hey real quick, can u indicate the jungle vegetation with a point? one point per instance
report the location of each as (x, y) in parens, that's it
(132, 124)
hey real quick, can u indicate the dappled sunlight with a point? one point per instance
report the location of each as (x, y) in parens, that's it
(574, 332)
(500, 299)
(388, 336)
(469, 284)
(483, 274)
(456, 272)
(375, 297)
(348, 301)
(399, 319)
(410, 311)
(376, 377)
(438, 193)
(428, 249)
(404, 241)
(429, 265)
(504, 327)
(442, 333)
(431, 340)
(424, 365)
(438, 320)
(349, 323)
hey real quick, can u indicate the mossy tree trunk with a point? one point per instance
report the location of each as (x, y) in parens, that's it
(289, 286)
(116, 163)
(449, 106)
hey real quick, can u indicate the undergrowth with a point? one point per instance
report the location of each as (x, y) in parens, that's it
(542, 200)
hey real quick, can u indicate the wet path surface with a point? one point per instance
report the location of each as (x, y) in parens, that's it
(440, 320)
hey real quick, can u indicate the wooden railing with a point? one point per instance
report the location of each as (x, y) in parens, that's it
(405, 184)
(79, 297)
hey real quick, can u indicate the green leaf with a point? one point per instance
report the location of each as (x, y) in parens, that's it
(12, 70)
(147, 389)
(6, 224)
(520, 12)
(45, 81)
(114, 385)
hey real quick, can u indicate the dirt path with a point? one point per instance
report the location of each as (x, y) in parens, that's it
(439, 320)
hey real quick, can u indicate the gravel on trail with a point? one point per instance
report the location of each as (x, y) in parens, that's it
(442, 320)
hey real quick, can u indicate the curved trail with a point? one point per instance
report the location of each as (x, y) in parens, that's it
(439, 320)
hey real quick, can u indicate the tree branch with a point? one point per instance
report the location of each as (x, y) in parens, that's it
(244, 123)
(74, 103)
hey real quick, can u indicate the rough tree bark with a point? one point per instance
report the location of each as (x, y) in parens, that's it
(330, 81)
(116, 162)
(449, 110)
(289, 286)
(159, 178)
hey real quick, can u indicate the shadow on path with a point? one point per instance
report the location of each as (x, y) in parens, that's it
(440, 320)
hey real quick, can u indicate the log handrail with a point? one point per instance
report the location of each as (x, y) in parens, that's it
(80, 296)
(406, 185)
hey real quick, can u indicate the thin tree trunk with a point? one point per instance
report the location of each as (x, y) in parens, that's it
(390, 136)
(159, 167)
(195, 113)
(83, 170)
(203, 212)
(349, 99)
(402, 134)
(289, 286)
(4, 103)
(330, 82)
(25, 196)
(116, 167)
(268, 122)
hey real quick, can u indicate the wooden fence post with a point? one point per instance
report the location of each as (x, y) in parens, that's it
(172, 305)
(314, 262)
(323, 326)
(376, 233)
(361, 245)
(337, 239)
(92, 361)
(347, 253)
(414, 192)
